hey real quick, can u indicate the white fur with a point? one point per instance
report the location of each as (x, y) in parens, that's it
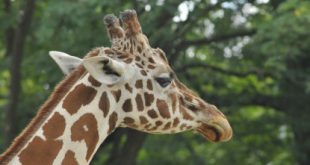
(66, 62)
(94, 66)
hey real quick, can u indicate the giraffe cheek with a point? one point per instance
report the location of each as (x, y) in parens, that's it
(163, 108)
(139, 102)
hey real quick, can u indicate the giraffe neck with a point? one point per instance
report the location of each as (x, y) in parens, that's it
(71, 130)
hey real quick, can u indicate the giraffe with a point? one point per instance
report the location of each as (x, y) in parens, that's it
(129, 84)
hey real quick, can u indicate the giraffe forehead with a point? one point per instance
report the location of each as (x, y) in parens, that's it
(146, 59)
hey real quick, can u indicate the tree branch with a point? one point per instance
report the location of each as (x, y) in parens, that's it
(193, 17)
(185, 26)
(268, 101)
(217, 38)
(204, 41)
(185, 67)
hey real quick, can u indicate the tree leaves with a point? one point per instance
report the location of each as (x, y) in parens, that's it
(263, 87)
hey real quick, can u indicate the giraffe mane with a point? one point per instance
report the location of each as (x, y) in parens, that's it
(44, 111)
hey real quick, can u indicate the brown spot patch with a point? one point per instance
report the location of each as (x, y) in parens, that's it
(152, 113)
(115, 33)
(153, 128)
(143, 72)
(81, 95)
(189, 127)
(167, 126)
(128, 88)
(148, 126)
(108, 51)
(93, 53)
(139, 49)
(143, 120)
(149, 84)
(110, 86)
(45, 111)
(128, 60)
(158, 123)
(117, 94)
(123, 55)
(112, 122)
(176, 122)
(129, 120)
(161, 54)
(93, 81)
(54, 127)
(39, 151)
(104, 104)
(202, 105)
(151, 66)
(185, 114)
(188, 97)
(139, 84)
(139, 102)
(127, 106)
(183, 126)
(149, 98)
(174, 102)
(137, 58)
(139, 65)
(69, 159)
(89, 135)
(162, 108)
(151, 60)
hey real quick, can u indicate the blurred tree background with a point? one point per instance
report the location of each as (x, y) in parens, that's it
(249, 57)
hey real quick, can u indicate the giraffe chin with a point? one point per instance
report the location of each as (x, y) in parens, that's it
(214, 133)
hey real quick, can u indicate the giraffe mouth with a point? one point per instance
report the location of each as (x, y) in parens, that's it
(216, 132)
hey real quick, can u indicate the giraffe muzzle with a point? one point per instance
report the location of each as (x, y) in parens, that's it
(217, 130)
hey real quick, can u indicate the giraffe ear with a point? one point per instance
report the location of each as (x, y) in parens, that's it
(104, 69)
(66, 62)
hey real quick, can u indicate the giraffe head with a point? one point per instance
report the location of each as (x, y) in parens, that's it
(144, 90)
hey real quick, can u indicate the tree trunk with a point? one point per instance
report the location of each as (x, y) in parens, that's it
(301, 130)
(15, 56)
(9, 32)
(129, 152)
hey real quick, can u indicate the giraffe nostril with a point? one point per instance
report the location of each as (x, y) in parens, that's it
(192, 107)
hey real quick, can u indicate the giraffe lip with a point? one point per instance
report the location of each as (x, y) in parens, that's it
(215, 132)
(209, 132)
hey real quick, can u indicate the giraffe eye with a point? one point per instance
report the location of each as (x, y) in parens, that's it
(163, 81)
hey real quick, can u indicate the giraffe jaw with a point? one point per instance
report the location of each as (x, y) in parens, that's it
(216, 131)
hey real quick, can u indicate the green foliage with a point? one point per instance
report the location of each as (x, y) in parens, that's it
(262, 82)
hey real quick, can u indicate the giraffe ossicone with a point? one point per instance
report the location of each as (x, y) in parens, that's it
(129, 84)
